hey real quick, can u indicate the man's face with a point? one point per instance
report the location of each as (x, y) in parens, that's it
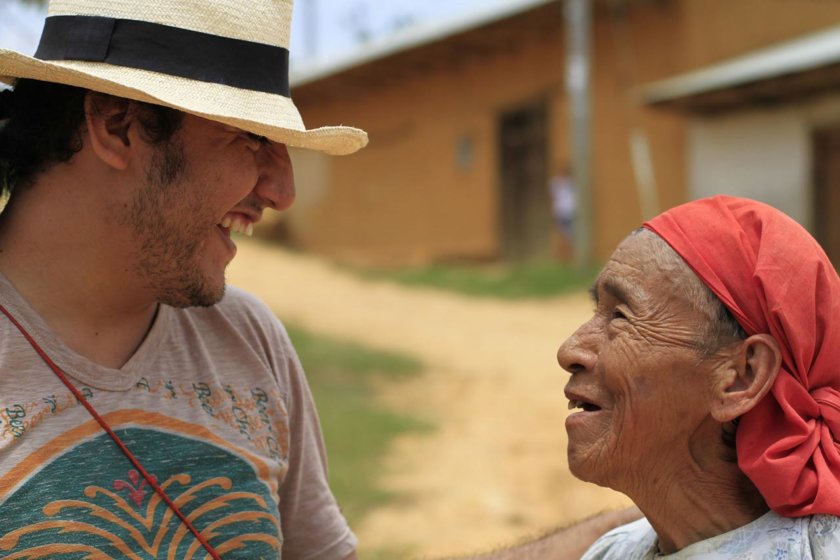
(207, 180)
(642, 386)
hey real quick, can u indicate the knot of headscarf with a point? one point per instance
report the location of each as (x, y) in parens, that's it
(774, 278)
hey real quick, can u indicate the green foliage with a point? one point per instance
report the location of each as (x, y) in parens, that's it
(357, 427)
(506, 281)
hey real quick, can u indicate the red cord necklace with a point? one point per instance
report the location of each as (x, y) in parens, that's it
(134, 461)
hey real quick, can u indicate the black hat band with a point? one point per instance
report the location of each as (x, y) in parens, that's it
(168, 50)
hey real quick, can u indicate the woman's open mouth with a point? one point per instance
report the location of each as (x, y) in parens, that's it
(585, 406)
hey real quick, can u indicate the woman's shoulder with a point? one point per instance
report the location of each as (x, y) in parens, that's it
(816, 537)
(633, 541)
(824, 536)
(813, 537)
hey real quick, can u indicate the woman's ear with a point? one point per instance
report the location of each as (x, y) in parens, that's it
(109, 120)
(746, 376)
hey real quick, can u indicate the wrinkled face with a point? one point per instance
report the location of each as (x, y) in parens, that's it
(209, 180)
(638, 385)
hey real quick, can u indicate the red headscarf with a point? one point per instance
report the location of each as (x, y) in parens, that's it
(774, 278)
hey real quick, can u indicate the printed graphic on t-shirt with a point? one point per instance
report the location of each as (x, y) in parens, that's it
(249, 411)
(79, 497)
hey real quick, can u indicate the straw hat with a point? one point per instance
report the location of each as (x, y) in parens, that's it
(224, 60)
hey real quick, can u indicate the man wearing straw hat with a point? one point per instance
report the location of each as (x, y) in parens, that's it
(145, 410)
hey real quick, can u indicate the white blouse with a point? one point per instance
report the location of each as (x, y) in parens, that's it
(770, 537)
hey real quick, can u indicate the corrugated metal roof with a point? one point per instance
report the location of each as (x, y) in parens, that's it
(413, 36)
(768, 65)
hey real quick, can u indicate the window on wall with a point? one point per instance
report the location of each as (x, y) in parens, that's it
(464, 152)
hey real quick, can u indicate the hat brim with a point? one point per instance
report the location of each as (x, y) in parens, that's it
(265, 114)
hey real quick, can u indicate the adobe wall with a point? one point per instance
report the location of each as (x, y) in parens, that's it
(408, 198)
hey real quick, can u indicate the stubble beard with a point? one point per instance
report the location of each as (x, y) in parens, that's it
(171, 234)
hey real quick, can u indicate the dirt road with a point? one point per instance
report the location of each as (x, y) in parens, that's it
(494, 470)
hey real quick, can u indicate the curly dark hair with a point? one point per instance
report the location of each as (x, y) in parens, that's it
(41, 124)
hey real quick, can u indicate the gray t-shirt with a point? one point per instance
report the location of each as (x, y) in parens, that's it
(770, 537)
(215, 406)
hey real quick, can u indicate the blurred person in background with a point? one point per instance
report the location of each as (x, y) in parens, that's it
(561, 189)
(141, 400)
(706, 387)
(563, 202)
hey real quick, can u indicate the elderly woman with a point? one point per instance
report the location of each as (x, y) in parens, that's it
(706, 387)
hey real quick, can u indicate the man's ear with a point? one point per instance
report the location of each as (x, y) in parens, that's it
(109, 120)
(746, 376)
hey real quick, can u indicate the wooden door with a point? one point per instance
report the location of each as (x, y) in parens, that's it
(525, 209)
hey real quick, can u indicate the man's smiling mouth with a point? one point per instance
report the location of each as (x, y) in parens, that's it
(237, 223)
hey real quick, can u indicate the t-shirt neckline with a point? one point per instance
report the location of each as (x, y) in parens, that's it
(74, 364)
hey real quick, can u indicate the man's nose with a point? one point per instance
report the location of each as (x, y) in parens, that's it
(579, 353)
(276, 184)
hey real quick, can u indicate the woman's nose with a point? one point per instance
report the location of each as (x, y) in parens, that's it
(276, 183)
(578, 353)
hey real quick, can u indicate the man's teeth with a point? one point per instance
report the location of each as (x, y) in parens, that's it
(239, 225)
(573, 404)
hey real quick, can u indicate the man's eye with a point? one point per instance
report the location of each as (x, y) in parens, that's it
(257, 138)
(618, 314)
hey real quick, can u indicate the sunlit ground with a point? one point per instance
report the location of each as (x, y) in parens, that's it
(461, 437)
